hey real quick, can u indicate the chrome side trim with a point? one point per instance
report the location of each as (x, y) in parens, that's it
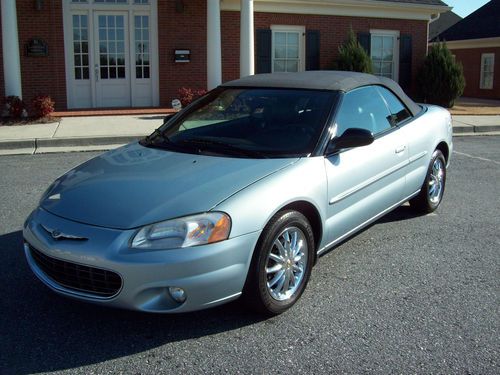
(418, 156)
(369, 221)
(228, 298)
(58, 287)
(368, 182)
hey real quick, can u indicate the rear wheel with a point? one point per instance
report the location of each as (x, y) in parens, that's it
(282, 263)
(431, 193)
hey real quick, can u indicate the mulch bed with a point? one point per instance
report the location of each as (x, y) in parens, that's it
(29, 121)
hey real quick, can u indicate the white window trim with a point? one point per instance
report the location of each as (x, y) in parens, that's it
(395, 57)
(484, 56)
(302, 43)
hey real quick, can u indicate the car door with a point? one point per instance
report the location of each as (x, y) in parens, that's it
(364, 181)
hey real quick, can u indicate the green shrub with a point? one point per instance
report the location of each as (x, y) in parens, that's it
(353, 57)
(440, 79)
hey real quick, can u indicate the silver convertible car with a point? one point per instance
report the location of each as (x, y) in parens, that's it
(239, 193)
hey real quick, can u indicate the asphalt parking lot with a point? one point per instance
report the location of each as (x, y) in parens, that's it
(410, 294)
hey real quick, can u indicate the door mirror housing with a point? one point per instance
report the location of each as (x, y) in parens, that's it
(352, 137)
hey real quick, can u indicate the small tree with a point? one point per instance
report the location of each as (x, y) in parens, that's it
(440, 79)
(353, 57)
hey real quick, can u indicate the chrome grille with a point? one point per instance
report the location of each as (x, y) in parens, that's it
(91, 280)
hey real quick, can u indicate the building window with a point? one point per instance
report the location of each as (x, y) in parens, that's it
(80, 46)
(487, 70)
(141, 46)
(288, 48)
(384, 53)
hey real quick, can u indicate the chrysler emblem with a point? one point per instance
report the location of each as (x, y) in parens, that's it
(58, 235)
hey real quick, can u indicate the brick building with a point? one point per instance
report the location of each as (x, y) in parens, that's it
(122, 53)
(475, 42)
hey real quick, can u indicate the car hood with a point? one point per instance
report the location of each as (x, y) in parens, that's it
(135, 185)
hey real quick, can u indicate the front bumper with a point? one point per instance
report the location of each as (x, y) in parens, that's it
(210, 274)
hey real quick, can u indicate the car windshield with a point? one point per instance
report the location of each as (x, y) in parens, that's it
(248, 122)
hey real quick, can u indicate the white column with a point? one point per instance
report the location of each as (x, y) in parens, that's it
(10, 45)
(246, 39)
(214, 59)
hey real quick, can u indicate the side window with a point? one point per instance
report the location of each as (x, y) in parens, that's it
(363, 108)
(398, 110)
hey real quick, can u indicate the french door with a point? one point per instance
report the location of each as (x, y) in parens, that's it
(112, 59)
(111, 53)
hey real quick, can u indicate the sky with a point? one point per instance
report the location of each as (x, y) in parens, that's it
(465, 7)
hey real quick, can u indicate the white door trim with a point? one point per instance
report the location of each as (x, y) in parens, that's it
(70, 8)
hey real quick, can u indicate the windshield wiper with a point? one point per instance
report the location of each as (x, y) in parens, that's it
(157, 134)
(215, 145)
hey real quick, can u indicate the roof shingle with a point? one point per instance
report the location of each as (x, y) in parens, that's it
(483, 23)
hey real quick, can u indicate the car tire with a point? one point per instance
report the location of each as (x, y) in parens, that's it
(431, 193)
(281, 264)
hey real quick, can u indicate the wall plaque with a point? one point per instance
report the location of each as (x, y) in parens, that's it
(37, 47)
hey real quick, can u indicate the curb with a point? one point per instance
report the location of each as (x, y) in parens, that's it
(71, 144)
(104, 143)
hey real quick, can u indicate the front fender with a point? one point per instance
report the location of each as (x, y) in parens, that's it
(252, 208)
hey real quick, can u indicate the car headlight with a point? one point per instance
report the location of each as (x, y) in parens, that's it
(186, 231)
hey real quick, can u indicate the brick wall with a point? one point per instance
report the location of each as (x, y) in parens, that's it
(471, 61)
(333, 32)
(186, 30)
(45, 75)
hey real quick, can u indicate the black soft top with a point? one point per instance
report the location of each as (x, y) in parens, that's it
(324, 80)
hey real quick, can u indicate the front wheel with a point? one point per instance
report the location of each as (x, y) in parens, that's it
(282, 263)
(432, 190)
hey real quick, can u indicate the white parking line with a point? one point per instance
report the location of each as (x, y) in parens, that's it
(476, 157)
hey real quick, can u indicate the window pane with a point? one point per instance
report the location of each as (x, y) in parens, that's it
(80, 46)
(292, 66)
(388, 42)
(293, 39)
(387, 68)
(363, 108)
(280, 52)
(279, 66)
(279, 38)
(376, 47)
(397, 109)
(292, 52)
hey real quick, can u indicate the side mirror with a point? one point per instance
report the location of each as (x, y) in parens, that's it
(352, 137)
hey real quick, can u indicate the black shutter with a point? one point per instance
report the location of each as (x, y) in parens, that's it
(264, 53)
(365, 40)
(405, 51)
(312, 50)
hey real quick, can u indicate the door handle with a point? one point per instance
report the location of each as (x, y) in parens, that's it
(96, 71)
(400, 149)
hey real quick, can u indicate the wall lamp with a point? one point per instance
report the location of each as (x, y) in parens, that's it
(38, 4)
(179, 6)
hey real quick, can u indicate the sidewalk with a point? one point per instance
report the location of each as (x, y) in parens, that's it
(95, 133)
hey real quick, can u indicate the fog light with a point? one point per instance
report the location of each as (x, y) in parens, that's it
(178, 294)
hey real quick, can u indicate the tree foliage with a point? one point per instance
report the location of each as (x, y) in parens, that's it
(353, 57)
(440, 79)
